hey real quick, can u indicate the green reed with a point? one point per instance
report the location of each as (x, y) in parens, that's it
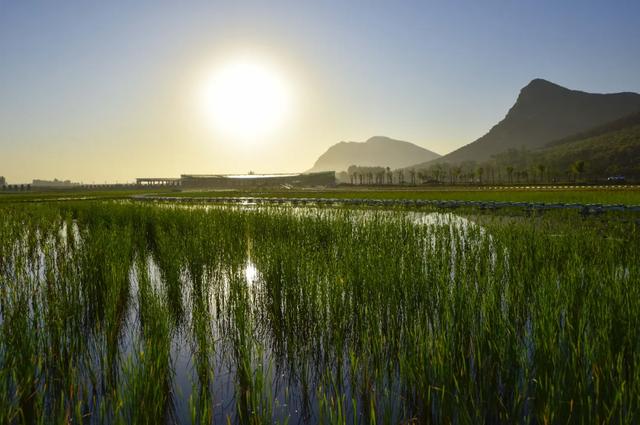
(323, 315)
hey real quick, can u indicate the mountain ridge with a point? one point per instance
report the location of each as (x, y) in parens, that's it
(376, 151)
(544, 112)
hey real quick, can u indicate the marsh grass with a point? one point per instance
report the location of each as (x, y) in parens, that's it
(315, 315)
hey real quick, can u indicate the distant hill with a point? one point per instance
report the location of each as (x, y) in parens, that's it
(545, 112)
(377, 151)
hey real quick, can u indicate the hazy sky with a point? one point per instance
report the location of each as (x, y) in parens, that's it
(100, 91)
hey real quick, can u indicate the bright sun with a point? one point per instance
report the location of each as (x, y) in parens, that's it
(246, 99)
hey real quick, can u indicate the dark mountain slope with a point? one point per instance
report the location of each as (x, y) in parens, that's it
(604, 153)
(619, 124)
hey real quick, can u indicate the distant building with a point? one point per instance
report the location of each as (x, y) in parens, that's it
(157, 181)
(241, 181)
(251, 181)
(54, 184)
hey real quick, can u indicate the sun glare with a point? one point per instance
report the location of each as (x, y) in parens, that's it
(246, 100)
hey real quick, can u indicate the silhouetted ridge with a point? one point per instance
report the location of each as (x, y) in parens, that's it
(376, 151)
(540, 84)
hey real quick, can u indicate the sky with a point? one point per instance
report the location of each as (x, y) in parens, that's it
(108, 91)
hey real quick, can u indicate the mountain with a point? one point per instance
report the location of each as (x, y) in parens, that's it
(377, 151)
(544, 112)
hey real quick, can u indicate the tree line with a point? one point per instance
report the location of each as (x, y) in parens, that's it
(510, 168)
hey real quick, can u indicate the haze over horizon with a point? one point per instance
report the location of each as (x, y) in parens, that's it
(114, 91)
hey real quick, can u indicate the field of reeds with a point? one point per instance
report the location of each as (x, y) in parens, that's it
(117, 312)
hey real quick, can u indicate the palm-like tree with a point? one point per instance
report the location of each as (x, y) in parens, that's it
(510, 174)
(541, 169)
(352, 170)
(577, 168)
(437, 170)
(455, 173)
(480, 172)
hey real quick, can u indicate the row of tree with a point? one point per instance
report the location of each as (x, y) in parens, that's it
(469, 172)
